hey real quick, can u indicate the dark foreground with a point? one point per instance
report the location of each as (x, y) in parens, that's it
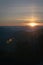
(25, 48)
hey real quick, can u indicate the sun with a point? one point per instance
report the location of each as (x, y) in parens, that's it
(32, 24)
(32, 21)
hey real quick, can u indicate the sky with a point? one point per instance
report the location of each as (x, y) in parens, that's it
(18, 12)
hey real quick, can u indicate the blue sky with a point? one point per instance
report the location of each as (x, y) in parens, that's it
(20, 10)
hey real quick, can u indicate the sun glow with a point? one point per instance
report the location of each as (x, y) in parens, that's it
(32, 24)
(32, 19)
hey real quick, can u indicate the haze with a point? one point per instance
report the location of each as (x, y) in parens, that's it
(19, 12)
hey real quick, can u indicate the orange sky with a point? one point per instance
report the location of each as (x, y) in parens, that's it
(20, 24)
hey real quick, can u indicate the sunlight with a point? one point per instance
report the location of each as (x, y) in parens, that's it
(32, 19)
(32, 24)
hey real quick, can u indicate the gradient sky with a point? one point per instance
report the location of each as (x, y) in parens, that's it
(13, 12)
